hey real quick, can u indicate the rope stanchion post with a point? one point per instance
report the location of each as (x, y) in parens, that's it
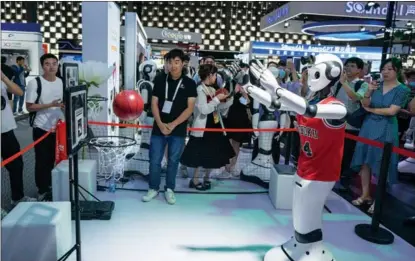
(287, 146)
(373, 232)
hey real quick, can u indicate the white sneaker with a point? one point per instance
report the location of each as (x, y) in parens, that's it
(150, 195)
(24, 199)
(169, 195)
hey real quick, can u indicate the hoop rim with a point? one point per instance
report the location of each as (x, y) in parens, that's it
(134, 142)
(96, 98)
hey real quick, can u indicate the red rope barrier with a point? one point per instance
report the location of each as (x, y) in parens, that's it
(374, 143)
(24, 150)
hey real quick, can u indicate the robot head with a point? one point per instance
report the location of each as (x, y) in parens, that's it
(324, 72)
(148, 69)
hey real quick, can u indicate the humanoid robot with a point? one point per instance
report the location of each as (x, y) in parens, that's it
(145, 87)
(259, 169)
(322, 130)
(148, 71)
(408, 165)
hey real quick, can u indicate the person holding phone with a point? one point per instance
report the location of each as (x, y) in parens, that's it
(382, 101)
(44, 102)
(239, 117)
(205, 149)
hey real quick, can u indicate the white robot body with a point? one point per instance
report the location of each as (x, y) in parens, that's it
(408, 165)
(146, 118)
(261, 165)
(309, 195)
(145, 87)
(308, 204)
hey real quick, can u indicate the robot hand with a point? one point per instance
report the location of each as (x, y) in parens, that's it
(265, 76)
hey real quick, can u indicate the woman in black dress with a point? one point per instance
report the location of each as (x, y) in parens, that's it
(206, 149)
(239, 117)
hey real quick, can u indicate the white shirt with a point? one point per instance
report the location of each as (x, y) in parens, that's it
(46, 119)
(8, 122)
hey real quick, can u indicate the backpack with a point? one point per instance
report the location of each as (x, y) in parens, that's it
(32, 114)
(356, 118)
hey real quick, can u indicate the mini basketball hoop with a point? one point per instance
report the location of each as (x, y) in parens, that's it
(94, 106)
(112, 155)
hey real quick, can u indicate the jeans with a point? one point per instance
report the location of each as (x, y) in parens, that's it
(20, 100)
(156, 152)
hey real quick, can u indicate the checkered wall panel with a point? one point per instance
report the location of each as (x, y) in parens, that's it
(224, 25)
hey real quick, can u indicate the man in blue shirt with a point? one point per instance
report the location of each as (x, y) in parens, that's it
(21, 71)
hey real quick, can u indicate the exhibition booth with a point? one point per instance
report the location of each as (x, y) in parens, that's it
(278, 51)
(135, 48)
(25, 40)
(320, 19)
(22, 39)
(172, 39)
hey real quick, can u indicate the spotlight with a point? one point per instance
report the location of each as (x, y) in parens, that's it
(286, 24)
(362, 28)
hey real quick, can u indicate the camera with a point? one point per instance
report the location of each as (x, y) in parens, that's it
(307, 60)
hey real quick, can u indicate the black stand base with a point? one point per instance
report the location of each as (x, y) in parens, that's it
(101, 210)
(379, 236)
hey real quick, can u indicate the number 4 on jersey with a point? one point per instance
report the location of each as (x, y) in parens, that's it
(307, 149)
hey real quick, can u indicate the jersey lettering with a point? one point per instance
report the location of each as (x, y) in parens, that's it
(307, 149)
(308, 132)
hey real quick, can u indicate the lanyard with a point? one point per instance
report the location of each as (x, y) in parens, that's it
(207, 91)
(177, 89)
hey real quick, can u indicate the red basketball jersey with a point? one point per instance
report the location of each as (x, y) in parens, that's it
(322, 145)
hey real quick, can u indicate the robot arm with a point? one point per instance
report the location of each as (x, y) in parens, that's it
(286, 100)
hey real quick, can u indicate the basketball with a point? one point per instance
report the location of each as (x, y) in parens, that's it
(222, 90)
(128, 105)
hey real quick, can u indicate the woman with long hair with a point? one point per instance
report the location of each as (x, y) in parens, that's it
(205, 149)
(382, 101)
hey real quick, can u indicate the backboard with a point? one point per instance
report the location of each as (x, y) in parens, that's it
(76, 116)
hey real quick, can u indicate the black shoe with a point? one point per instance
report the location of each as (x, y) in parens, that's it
(198, 186)
(207, 184)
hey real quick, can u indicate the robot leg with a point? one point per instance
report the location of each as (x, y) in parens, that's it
(143, 154)
(258, 170)
(410, 133)
(307, 243)
(407, 166)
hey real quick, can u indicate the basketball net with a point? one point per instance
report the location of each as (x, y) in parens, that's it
(94, 104)
(112, 154)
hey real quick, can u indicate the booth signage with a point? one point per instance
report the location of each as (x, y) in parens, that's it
(297, 50)
(172, 35)
(359, 8)
(405, 11)
(278, 14)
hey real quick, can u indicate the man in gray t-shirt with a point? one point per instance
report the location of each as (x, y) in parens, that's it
(346, 92)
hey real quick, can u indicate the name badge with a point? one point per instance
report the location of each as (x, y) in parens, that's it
(243, 101)
(167, 107)
(215, 117)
